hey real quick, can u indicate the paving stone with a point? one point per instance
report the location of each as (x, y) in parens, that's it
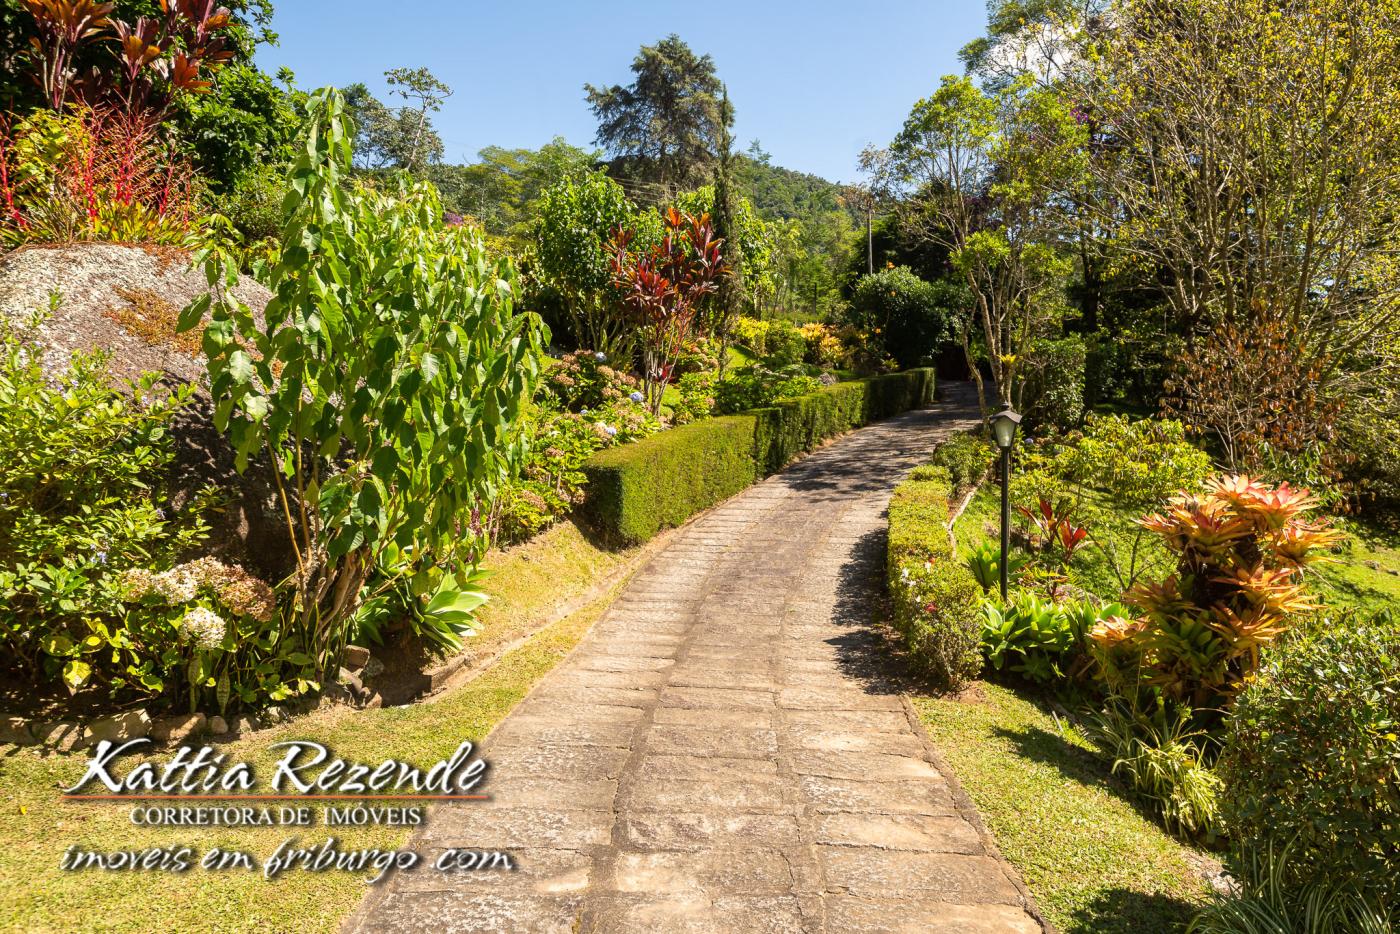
(534, 870)
(484, 828)
(685, 794)
(868, 872)
(834, 795)
(868, 766)
(596, 794)
(463, 911)
(554, 760)
(718, 719)
(541, 706)
(810, 698)
(715, 872)
(555, 730)
(876, 721)
(707, 830)
(900, 832)
(897, 744)
(901, 916)
(653, 767)
(706, 741)
(717, 698)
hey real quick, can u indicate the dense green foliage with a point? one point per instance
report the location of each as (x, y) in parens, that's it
(757, 385)
(244, 125)
(934, 598)
(1053, 391)
(637, 490)
(1039, 639)
(967, 456)
(910, 318)
(83, 500)
(577, 220)
(1312, 760)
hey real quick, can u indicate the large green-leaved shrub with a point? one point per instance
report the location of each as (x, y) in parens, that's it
(383, 383)
(82, 502)
(1312, 757)
(907, 317)
(967, 456)
(1054, 383)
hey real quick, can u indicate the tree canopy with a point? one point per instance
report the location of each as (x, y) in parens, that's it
(666, 125)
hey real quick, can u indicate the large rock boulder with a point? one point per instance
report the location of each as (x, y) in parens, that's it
(125, 300)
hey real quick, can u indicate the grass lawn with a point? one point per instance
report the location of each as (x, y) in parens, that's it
(1117, 541)
(741, 356)
(1093, 860)
(1348, 580)
(38, 826)
(1351, 580)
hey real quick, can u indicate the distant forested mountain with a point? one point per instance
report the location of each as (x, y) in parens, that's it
(784, 194)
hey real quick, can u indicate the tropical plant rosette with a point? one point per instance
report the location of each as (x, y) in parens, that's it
(1242, 548)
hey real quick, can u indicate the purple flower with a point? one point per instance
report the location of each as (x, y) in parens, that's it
(609, 430)
(636, 397)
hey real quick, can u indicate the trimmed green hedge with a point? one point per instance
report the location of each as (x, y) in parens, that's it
(935, 597)
(636, 490)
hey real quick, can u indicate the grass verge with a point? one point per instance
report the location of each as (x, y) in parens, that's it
(37, 826)
(1093, 861)
(1358, 576)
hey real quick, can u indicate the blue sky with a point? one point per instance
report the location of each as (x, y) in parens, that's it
(814, 82)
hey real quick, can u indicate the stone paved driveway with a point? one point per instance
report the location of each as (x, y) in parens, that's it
(720, 753)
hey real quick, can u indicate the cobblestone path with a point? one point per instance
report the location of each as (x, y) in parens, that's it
(720, 753)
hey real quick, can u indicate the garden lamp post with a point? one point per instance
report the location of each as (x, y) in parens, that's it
(1004, 425)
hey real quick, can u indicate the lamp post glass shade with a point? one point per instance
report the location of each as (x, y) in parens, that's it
(1004, 425)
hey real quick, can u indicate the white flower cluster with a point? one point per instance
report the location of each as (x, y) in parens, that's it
(204, 627)
(175, 586)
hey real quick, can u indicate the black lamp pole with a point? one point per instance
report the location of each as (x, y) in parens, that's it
(1005, 517)
(1004, 425)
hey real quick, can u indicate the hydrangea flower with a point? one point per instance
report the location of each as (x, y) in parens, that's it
(609, 430)
(204, 627)
(636, 397)
(600, 356)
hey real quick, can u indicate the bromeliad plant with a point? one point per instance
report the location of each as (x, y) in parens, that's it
(1040, 639)
(1242, 551)
(1054, 529)
(662, 287)
(383, 385)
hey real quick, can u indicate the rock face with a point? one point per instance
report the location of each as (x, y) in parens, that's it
(125, 300)
(121, 299)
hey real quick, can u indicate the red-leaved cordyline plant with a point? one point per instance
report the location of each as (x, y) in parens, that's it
(157, 58)
(661, 289)
(1242, 549)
